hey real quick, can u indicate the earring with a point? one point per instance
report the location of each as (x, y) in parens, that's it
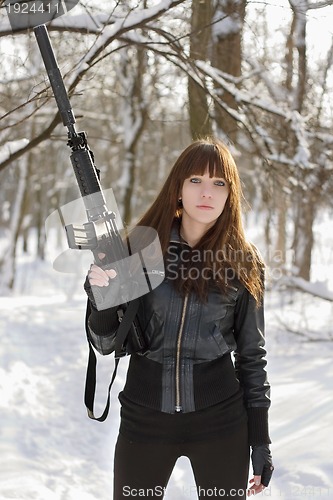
(178, 213)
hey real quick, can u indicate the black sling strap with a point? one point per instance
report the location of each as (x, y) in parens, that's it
(122, 333)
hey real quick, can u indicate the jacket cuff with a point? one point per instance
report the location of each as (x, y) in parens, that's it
(102, 343)
(103, 322)
(258, 426)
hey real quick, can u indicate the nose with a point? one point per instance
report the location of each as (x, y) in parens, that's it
(206, 192)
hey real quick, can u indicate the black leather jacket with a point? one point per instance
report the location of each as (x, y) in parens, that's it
(187, 364)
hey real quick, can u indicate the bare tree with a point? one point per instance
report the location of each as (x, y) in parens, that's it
(134, 114)
(227, 29)
(270, 120)
(8, 258)
(309, 174)
(199, 115)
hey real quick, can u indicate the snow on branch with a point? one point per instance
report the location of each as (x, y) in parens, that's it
(95, 23)
(199, 71)
(11, 147)
(82, 23)
(133, 20)
(317, 289)
(25, 147)
(320, 5)
(303, 155)
(241, 97)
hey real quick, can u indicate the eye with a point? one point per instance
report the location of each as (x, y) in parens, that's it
(195, 180)
(219, 183)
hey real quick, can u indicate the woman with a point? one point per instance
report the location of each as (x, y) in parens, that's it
(184, 395)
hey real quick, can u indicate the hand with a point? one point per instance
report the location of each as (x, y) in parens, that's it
(100, 277)
(262, 469)
(96, 279)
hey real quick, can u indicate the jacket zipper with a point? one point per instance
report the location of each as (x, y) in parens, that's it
(178, 407)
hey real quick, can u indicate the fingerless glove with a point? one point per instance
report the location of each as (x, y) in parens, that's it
(262, 463)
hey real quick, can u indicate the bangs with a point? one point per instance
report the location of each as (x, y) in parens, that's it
(207, 156)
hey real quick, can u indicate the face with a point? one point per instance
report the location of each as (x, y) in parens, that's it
(203, 199)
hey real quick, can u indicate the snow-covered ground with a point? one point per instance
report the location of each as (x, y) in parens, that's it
(51, 450)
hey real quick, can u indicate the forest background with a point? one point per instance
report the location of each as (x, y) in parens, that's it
(145, 78)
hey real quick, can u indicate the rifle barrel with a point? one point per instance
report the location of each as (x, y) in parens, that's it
(57, 84)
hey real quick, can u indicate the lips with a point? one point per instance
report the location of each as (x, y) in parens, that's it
(205, 207)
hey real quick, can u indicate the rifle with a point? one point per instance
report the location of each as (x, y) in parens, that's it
(100, 234)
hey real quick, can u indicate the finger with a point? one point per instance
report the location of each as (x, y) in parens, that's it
(257, 480)
(98, 282)
(111, 273)
(98, 279)
(251, 492)
(254, 490)
(98, 274)
(107, 273)
(97, 269)
(256, 487)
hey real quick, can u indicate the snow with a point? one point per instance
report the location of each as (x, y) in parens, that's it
(130, 21)
(317, 288)
(303, 155)
(10, 147)
(83, 21)
(240, 96)
(51, 450)
(224, 24)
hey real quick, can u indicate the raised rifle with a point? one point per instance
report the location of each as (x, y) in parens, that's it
(100, 234)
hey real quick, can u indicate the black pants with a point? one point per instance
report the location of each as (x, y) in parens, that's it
(220, 466)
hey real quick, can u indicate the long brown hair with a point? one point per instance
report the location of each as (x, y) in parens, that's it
(226, 237)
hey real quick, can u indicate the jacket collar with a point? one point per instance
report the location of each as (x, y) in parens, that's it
(175, 234)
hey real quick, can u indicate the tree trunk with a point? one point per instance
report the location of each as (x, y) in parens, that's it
(304, 195)
(300, 10)
(281, 230)
(227, 31)
(200, 121)
(134, 117)
(303, 237)
(8, 264)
